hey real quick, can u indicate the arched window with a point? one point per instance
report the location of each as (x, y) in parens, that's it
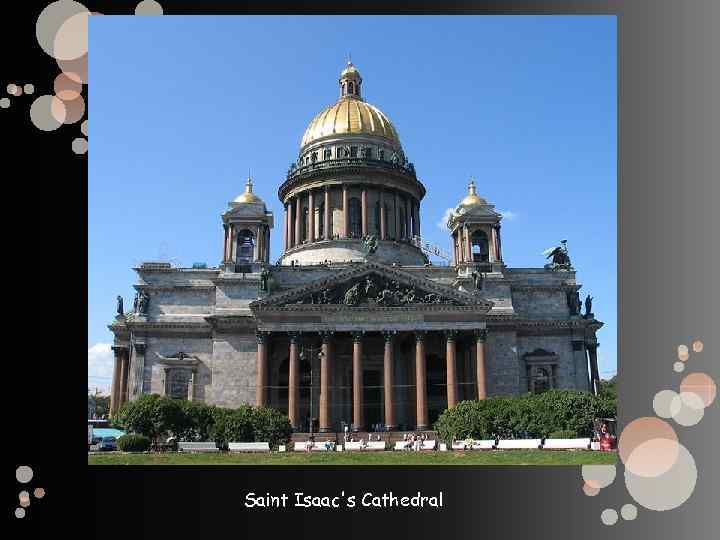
(355, 218)
(321, 220)
(480, 249)
(245, 246)
(327, 153)
(351, 88)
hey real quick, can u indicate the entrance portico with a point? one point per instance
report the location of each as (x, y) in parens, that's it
(386, 354)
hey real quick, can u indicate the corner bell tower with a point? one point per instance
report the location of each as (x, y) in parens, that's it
(247, 223)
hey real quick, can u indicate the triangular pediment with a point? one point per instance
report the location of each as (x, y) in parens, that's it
(372, 284)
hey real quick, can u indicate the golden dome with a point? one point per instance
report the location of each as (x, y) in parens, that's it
(350, 115)
(472, 198)
(248, 197)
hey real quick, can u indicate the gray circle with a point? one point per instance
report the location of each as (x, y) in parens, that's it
(4, 103)
(29, 88)
(662, 401)
(679, 367)
(23, 474)
(609, 516)
(667, 491)
(47, 113)
(19, 513)
(687, 408)
(628, 512)
(148, 7)
(79, 145)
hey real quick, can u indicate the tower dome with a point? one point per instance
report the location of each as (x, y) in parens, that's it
(248, 197)
(350, 115)
(351, 195)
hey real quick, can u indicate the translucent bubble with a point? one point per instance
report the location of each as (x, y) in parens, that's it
(683, 353)
(148, 7)
(679, 367)
(23, 474)
(609, 516)
(642, 430)
(66, 87)
(653, 457)
(84, 127)
(4, 103)
(668, 490)
(39, 493)
(701, 384)
(628, 512)
(662, 401)
(79, 145)
(74, 110)
(11, 89)
(29, 88)
(48, 112)
(24, 498)
(71, 40)
(50, 22)
(19, 513)
(76, 69)
(598, 476)
(697, 346)
(687, 408)
(589, 490)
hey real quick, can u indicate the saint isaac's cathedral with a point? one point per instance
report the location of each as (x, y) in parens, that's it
(352, 325)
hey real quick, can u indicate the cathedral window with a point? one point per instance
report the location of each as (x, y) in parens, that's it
(355, 218)
(177, 383)
(313, 157)
(541, 379)
(367, 152)
(305, 221)
(327, 153)
(403, 223)
(245, 246)
(353, 151)
(480, 249)
(381, 154)
(351, 88)
(377, 218)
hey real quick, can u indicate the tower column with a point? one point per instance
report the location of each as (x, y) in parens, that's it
(115, 391)
(358, 417)
(311, 216)
(298, 220)
(285, 231)
(345, 212)
(594, 370)
(499, 242)
(364, 213)
(326, 217)
(383, 217)
(261, 368)
(417, 217)
(289, 228)
(408, 219)
(225, 242)
(390, 424)
(480, 339)
(326, 361)
(293, 375)
(450, 356)
(468, 245)
(420, 383)
(124, 371)
(397, 216)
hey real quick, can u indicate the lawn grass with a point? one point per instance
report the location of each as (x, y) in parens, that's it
(507, 457)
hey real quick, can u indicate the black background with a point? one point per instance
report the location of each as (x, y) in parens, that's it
(668, 195)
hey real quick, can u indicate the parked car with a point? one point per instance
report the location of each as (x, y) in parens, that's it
(108, 443)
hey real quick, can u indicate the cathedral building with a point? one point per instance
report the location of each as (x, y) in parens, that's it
(352, 325)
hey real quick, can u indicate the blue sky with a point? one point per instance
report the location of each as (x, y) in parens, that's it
(182, 107)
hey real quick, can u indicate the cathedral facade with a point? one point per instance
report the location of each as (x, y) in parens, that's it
(353, 325)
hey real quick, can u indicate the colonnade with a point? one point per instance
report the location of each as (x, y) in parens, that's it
(297, 232)
(121, 369)
(327, 360)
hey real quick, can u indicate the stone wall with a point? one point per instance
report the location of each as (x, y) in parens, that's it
(558, 344)
(169, 346)
(233, 370)
(502, 364)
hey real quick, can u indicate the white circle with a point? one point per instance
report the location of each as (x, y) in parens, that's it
(598, 476)
(23, 474)
(48, 112)
(687, 408)
(84, 127)
(679, 367)
(19, 513)
(29, 88)
(628, 512)
(51, 20)
(79, 145)
(662, 402)
(609, 516)
(666, 491)
(4, 103)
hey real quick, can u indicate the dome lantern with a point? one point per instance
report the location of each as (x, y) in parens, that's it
(350, 81)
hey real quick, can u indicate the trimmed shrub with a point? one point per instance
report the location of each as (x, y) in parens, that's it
(271, 425)
(527, 416)
(133, 442)
(152, 415)
(199, 421)
(562, 434)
